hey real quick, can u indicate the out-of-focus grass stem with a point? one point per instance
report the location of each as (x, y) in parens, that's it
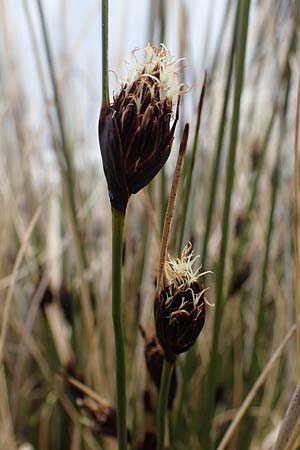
(246, 224)
(260, 316)
(68, 178)
(216, 163)
(296, 238)
(190, 169)
(211, 380)
(162, 403)
(163, 176)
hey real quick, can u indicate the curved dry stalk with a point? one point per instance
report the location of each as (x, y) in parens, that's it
(9, 297)
(295, 232)
(84, 389)
(259, 382)
(171, 206)
(295, 438)
(289, 423)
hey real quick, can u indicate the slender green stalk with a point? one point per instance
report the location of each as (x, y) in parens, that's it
(246, 225)
(162, 403)
(189, 366)
(189, 361)
(118, 219)
(105, 80)
(162, 20)
(212, 374)
(163, 176)
(275, 184)
(217, 159)
(247, 430)
(68, 170)
(171, 429)
(190, 169)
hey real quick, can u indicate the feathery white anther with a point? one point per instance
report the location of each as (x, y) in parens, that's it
(160, 66)
(180, 271)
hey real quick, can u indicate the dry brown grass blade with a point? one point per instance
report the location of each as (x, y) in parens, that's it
(259, 382)
(295, 438)
(171, 205)
(289, 423)
(84, 389)
(42, 363)
(296, 238)
(288, 435)
(9, 297)
(7, 439)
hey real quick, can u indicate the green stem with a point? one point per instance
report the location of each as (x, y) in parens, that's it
(162, 403)
(217, 159)
(243, 239)
(68, 178)
(105, 80)
(171, 429)
(247, 431)
(118, 219)
(163, 176)
(213, 369)
(190, 169)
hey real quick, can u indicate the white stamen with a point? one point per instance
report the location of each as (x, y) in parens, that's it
(160, 66)
(181, 274)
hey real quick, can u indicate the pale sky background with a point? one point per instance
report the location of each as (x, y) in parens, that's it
(75, 33)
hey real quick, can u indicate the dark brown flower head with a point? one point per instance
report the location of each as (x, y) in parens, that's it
(179, 308)
(136, 131)
(154, 357)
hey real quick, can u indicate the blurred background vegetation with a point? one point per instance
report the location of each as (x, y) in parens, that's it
(236, 205)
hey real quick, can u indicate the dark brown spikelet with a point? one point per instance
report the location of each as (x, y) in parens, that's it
(179, 308)
(103, 417)
(149, 441)
(154, 357)
(136, 131)
(240, 278)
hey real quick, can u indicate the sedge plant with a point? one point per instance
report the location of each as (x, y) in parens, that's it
(136, 131)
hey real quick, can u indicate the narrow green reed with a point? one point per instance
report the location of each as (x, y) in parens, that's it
(260, 312)
(217, 159)
(163, 403)
(213, 368)
(190, 169)
(243, 238)
(189, 361)
(67, 167)
(246, 433)
(163, 176)
(118, 219)
(105, 78)
(68, 181)
(275, 184)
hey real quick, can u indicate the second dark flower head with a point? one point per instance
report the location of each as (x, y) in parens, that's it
(179, 308)
(136, 131)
